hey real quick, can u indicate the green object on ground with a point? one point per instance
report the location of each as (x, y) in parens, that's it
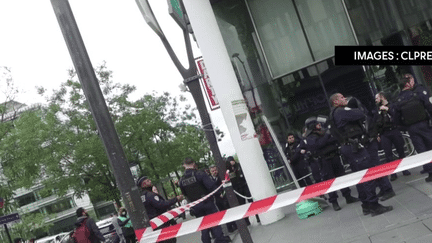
(307, 208)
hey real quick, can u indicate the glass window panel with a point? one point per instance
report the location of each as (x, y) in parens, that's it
(302, 98)
(373, 20)
(347, 80)
(415, 11)
(326, 25)
(281, 35)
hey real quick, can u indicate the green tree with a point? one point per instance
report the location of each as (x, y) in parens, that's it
(8, 113)
(30, 226)
(59, 145)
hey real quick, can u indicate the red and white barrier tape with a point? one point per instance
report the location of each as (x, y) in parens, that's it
(284, 199)
(165, 217)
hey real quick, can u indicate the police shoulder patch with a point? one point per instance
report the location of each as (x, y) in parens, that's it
(143, 198)
(156, 198)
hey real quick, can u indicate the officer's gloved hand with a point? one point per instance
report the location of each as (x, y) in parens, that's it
(353, 102)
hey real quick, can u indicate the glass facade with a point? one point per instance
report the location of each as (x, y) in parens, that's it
(283, 55)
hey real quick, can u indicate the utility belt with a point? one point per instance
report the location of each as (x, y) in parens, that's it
(326, 156)
(355, 143)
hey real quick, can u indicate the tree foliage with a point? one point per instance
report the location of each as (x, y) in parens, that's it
(59, 145)
(7, 114)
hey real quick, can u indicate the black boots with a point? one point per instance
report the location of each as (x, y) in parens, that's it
(387, 196)
(350, 199)
(336, 206)
(375, 209)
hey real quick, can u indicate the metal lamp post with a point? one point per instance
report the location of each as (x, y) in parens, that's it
(86, 74)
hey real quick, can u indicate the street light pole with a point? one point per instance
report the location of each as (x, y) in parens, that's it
(130, 192)
(191, 79)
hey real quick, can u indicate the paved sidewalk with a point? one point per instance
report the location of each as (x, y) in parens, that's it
(409, 222)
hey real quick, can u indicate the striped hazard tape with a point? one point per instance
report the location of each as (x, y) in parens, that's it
(165, 217)
(283, 199)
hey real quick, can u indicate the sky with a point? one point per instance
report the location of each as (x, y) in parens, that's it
(113, 31)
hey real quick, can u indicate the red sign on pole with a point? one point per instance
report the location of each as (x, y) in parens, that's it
(208, 88)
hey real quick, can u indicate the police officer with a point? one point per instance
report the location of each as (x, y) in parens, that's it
(195, 184)
(348, 122)
(155, 204)
(295, 153)
(413, 110)
(371, 144)
(389, 133)
(325, 150)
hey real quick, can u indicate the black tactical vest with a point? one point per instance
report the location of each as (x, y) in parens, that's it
(350, 130)
(193, 189)
(412, 110)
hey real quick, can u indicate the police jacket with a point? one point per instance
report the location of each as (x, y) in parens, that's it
(385, 119)
(95, 235)
(412, 106)
(292, 151)
(154, 203)
(195, 184)
(322, 144)
(349, 121)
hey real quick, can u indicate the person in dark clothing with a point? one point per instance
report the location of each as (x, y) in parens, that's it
(389, 133)
(295, 153)
(325, 151)
(195, 184)
(371, 144)
(348, 122)
(220, 196)
(237, 179)
(412, 110)
(95, 235)
(155, 204)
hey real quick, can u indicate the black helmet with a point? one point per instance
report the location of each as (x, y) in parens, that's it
(310, 125)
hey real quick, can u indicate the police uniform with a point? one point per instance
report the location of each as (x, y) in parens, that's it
(412, 110)
(348, 122)
(390, 135)
(195, 184)
(156, 205)
(371, 144)
(324, 149)
(298, 162)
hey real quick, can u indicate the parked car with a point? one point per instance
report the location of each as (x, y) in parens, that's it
(107, 229)
(52, 239)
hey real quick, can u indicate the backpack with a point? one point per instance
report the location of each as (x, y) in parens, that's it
(81, 234)
(412, 109)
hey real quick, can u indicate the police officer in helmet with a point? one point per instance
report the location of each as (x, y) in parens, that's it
(195, 184)
(324, 149)
(155, 204)
(412, 111)
(349, 123)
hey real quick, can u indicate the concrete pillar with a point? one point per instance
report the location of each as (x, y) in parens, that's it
(232, 104)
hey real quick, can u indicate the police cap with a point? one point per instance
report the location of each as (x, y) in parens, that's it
(140, 180)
